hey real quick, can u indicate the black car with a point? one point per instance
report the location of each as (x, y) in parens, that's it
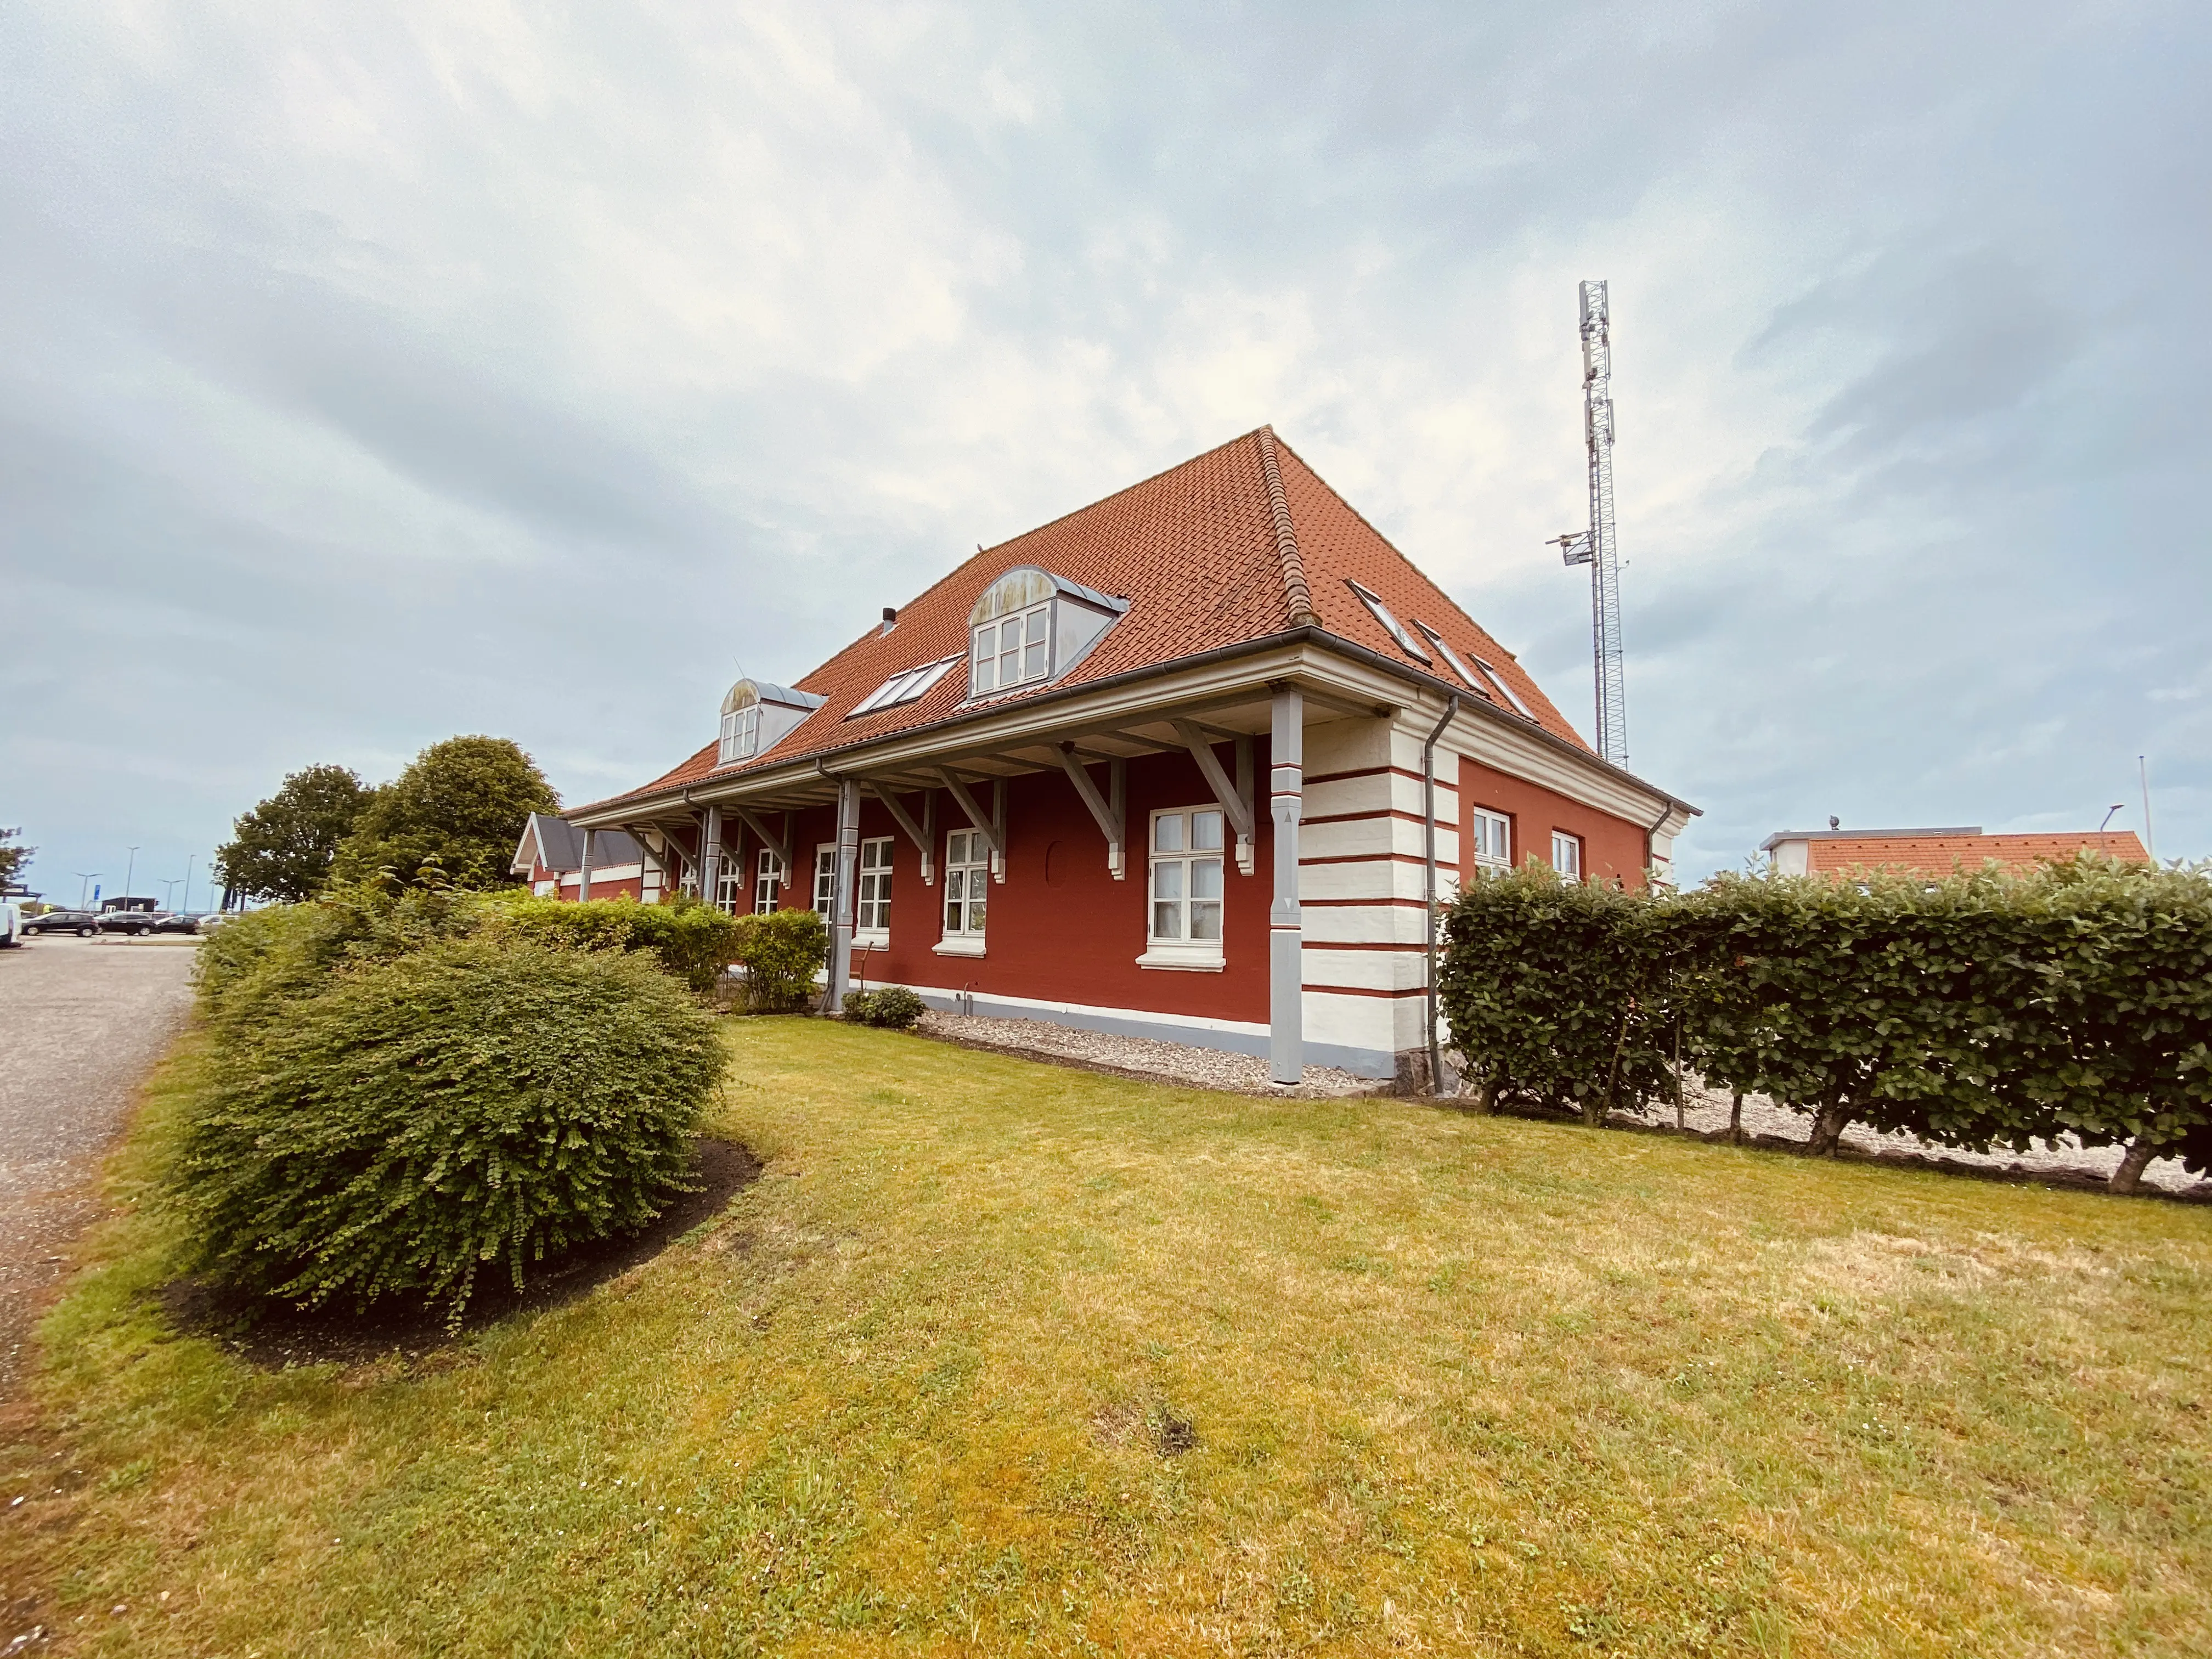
(139, 923)
(80, 922)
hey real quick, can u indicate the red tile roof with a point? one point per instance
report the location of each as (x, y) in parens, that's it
(1940, 856)
(1199, 552)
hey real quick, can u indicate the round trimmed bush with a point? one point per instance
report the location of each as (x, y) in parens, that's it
(478, 1101)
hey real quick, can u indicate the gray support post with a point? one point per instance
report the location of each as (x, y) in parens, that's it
(841, 902)
(1117, 801)
(584, 874)
(1286, 754)
(710, 857)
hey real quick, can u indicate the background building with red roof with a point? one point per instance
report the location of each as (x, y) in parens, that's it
(1191, 763)
(1937, 852)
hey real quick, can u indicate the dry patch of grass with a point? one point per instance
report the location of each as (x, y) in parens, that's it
(998, 1357)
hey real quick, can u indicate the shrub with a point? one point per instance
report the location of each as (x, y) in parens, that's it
(1872, 1001)
(894, 1006)
(694, 940)
(2118, 1046)
(781, 953)
(1554, 988)
(474, 1101)
(252, 967)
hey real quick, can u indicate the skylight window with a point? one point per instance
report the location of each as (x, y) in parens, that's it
(1504, 685)
(906, 687)
(1451, 656)
(1394, 627)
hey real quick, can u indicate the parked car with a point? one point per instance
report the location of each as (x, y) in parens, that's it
(139, 923)
(80, 922)
(11, 924)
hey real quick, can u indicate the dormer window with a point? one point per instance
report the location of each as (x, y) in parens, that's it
(1391, 625)
(741, 724)
(757, 716)
(1030, 627)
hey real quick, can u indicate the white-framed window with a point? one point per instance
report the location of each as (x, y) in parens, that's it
(1567, 854)
(875, 910)
(905, 687)
(967, 881)
(767, 883)
(1013, 650)
(1489, 839)
(1451, 656)
(1391, 625)
(741, 718)
(1182, 921)
(729, 884)
(1499, 681)
(826, 880)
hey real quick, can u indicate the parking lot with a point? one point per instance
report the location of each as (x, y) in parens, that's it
(80, 1022)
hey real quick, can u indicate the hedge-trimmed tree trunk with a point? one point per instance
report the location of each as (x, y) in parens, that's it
(1735, 1118)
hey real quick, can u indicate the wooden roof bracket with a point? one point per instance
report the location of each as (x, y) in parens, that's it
(922, 835)
(1110, 812)
(1235, 802)
(992, 829)
(779, 845)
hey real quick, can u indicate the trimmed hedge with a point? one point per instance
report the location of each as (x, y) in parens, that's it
(468, 1103)
(1985, 1009)
(781, 953)
(894, 1007)
(695, 941)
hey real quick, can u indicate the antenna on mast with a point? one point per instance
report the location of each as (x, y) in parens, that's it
(1595, 546)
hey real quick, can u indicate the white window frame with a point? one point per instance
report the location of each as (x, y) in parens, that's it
(1512, 695)
(965, 880)
(1444, 650)
(1396, 629)
(1490, 840)
(767, 883)
(907, 686)
(872, 912)
(826, 880)
(740, 735)
(1567, 854)
(730, 884)
(1034, 627)
(1184, 859)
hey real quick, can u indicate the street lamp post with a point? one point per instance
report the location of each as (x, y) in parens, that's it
(83, 893)
(129, 870)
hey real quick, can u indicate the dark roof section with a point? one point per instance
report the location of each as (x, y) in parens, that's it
(560, 845)
(1225, 548)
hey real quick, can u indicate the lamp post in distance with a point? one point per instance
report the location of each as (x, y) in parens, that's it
(2109, 811)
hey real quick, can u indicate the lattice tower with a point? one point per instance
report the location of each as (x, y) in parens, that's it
(1596, 547)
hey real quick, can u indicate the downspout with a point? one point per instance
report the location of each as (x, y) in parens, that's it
(1429, 881)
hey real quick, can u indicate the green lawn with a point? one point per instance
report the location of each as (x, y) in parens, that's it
(999, 1356)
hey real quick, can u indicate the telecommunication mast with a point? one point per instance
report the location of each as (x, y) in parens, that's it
(1595, 546)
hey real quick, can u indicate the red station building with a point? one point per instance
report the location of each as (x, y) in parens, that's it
(1189, 763)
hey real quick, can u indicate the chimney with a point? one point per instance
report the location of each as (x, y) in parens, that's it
(891, 618)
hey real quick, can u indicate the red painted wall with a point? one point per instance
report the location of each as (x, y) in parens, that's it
(1612, 847)
(1060, 928)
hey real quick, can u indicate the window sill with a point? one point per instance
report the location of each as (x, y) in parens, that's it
(958, 946)
(1183, 961)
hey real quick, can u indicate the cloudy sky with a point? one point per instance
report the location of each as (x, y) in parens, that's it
(372, 374)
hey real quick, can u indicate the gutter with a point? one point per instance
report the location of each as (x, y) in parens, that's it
(1314, 635)
(1429, 880)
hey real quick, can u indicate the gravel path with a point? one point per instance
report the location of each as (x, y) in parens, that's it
(1171, 1062)
(1706, 1111)
(80, 1022)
